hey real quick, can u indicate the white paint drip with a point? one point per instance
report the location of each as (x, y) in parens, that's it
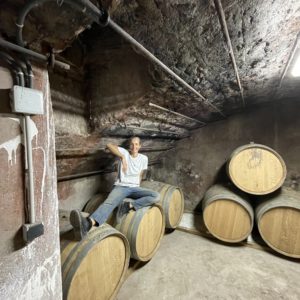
(43, 282)
(32, 130)
(15, 119)
(44, 175)
(11, 145)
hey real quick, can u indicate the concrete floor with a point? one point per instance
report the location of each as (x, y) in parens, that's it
(188, 266)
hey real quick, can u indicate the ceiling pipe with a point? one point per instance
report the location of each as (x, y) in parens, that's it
(222, 20)
(83, 152)
(78, 5)
(152, 129)
(291, 56)
(101, 17)
(148, 54)
(143, 136)
(175, 113)
(33, 54)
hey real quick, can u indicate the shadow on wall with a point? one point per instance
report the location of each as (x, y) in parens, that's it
(220, 177)
(5, 101)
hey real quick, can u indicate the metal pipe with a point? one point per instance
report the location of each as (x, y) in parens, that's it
(75, 152)
(148, 54)
(152, 129)
(223, 24)
(98, 15)
(81, 175)
(22, 70)
(291, 56)
(30, 171)
(29, 154)
(27, 135)
(175, 113)
(144, 136)
(78, 5)
(17, 69)
(87, 174)
(31, 53)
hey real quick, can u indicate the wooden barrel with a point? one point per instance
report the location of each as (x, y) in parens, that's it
(144, 229)
(94, 203)
(227, 215)
(256, 169)
(278, 221)
(171, 200)
(94, 268)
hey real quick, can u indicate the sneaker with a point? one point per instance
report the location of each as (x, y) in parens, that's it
(80, 224)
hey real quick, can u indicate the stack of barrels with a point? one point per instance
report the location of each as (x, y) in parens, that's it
(257, 172)
(95, 267)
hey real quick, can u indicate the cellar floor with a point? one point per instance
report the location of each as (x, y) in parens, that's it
(188, 266)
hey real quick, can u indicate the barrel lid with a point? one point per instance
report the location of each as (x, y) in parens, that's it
(256, 169)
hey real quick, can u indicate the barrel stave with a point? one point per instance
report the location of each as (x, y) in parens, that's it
(103, 253)
(171, 200)
(278, 221)
(227, 214)
(144, 230)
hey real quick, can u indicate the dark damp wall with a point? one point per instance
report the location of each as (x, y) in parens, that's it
(197, 162)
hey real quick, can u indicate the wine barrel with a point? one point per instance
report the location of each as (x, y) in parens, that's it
(94, 267)
(278, 221)
(171, 200)
(256, 169)
(94, 203)
(144, 230)
(227, 215)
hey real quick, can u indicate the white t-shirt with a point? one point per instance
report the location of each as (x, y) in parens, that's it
(135, 165)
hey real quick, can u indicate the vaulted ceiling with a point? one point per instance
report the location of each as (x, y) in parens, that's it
(113, 82)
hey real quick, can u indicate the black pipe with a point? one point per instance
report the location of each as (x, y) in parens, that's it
(83, 175)
(33, 54)
(25, 10)
(19, 75)
(99, 16)
(94, 173)
(23, 66)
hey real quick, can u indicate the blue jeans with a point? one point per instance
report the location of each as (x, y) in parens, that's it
(142, 197)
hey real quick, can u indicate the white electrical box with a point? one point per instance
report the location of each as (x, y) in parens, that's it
(27, 101)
